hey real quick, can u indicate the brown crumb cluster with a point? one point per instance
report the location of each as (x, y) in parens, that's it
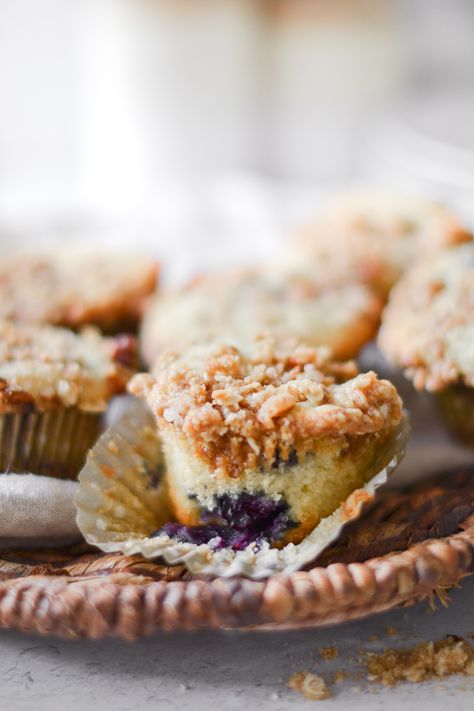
(329, 653)
(428, 660)
(425, 661)
(312, 686)
(241, 408)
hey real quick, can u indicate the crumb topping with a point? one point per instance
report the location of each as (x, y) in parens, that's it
(244, 409)
(373, 236)
(428, 326)
(312, 686)
(245, 303)
(75, 286)
(44, 367)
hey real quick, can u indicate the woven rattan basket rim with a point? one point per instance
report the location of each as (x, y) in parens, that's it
(130, 606)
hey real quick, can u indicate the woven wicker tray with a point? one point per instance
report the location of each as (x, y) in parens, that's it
(412, 544)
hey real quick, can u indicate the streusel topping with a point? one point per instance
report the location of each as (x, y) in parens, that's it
(248, 302)
(44, 367)
(244, 409)
(374, 236)
(75, 286)
(428, 326)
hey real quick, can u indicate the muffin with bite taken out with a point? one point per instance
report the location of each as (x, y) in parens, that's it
(261, 441)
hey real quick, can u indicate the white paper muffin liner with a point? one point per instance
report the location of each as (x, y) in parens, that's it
(121, 502)
(47, 443)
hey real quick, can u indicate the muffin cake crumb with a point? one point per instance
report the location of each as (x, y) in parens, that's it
(329, 653)
(311, 686)
(428, 660)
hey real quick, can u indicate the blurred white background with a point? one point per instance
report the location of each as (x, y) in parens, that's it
(198, 127)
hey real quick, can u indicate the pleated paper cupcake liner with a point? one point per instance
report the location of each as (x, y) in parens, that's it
(49, 443)
(122, 503)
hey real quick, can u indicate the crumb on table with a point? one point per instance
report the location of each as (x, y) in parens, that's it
(311, 686)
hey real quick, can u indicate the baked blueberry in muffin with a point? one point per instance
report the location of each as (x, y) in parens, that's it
(372, 236)
(262, 441)
(77, 286)
(428, 330)
(54, 386)
(246, 303)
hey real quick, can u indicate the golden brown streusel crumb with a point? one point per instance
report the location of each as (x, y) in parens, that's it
(312, 686)
(329, 653)
(339, 676)
(44, 367)
(428, 660)
(373, 638)
(244, 408)
(391, 631)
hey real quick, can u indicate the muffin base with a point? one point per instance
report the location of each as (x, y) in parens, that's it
(309, 490)
(48, 443)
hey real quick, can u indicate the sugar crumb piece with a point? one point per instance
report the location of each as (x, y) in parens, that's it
(311, 686)
(275, 696)
(112, 447)
(329, 653)
(339, 676)
(429, 660)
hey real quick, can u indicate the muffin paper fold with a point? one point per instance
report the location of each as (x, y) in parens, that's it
(122, 502)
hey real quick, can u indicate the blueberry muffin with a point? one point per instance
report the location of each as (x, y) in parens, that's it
(54, 386)
(75, 286)
(373, 236)
(428, 330)
(263, 442)
(246, 303)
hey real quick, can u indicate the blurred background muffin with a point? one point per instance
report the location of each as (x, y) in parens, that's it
(242, 304)
(73, 286)
(55, 386)
(372, 236)
(428, 331)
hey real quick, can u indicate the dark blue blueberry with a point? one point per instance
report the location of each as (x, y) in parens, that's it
(235, 522)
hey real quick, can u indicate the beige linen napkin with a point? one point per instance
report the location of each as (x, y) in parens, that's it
(36, 511)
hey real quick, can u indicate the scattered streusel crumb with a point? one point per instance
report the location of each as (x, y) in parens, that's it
(428, 660)
(329, 653)
(391, 631)
(312, 686)
(113, 447)
(339, 676)
(373, 638)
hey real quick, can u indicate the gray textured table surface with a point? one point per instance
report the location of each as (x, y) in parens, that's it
(228, 671)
